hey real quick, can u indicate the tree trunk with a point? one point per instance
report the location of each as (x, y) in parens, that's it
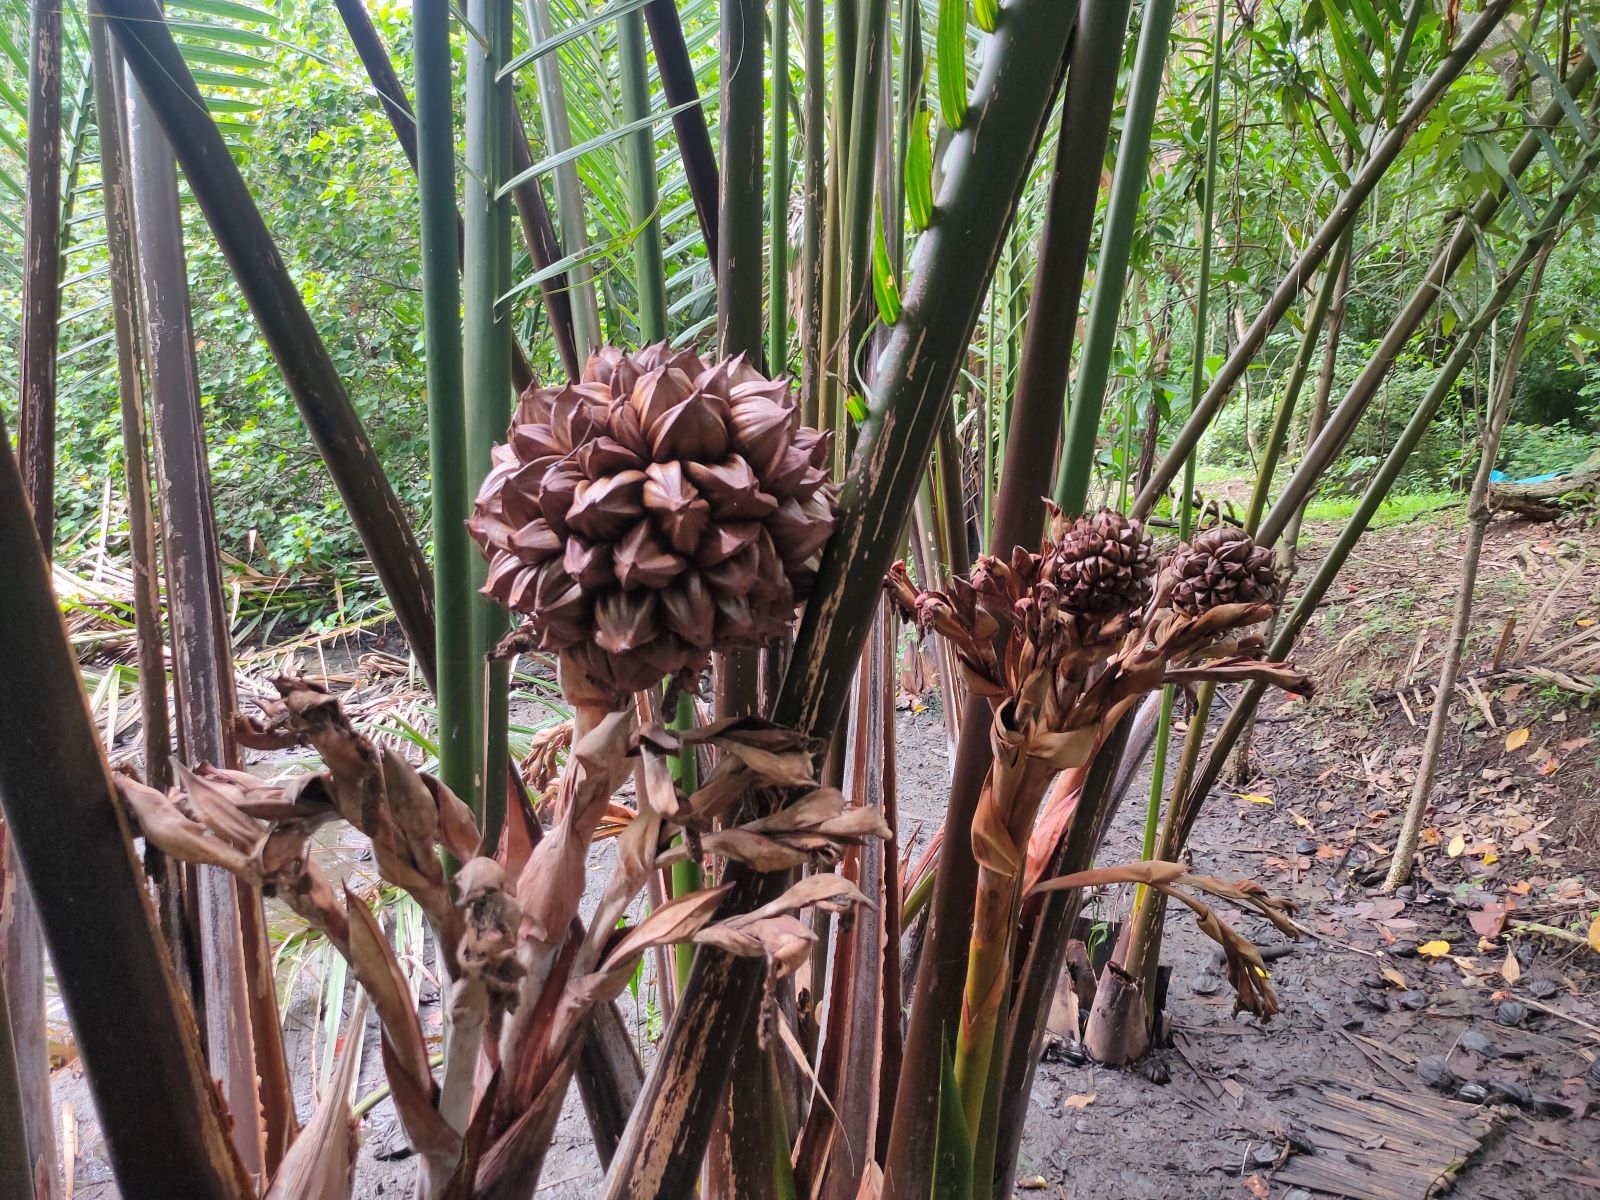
(1547, 500)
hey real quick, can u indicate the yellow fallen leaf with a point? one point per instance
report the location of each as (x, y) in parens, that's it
(1517, 739)
(1430, 836)
(1594, 934)
(1584, 621)
(1394, 977)
(1079, 1101)
(1299, 820)
(1456, 846)
(1255, 798)
(1033, 1183)
(1511, 969)
(1490, 859)
(1434, 949)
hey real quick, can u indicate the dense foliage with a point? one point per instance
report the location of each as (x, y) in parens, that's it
(323, 163)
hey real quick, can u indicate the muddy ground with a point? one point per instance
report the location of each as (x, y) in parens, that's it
(1512, 841)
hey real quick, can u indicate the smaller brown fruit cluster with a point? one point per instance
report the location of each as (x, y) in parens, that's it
(1222, 565)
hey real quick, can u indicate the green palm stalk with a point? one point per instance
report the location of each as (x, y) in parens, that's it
(459, 664)
(486, 276)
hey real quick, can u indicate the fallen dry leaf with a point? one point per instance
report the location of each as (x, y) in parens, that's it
(1258, 1187)
(1489, 920)
(1594, 934)
(1434, 949)
(1517, 739)
(1033, 1183)
(1456, 846)
(1395, 977)
(1255, 797)
(1511, 969)
(1079, 1100)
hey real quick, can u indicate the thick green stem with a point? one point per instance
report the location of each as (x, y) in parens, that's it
(486, 276)
(459, 665)
(778, 198)
(649, 273)
(1116, 241)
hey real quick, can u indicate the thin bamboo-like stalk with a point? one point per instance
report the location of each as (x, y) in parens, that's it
(688, 118)
(335, 428)
(815, 190)
(164, 1132)
(544, 248)
(41, 268)
(16, 1174)
(202, 659)
(1278, 437)
(569, 189)
(381, 74)
(21, 942)
(752, 1165)
(457, 688)
(1322, 242)
(1478, 523)
(778, 197)
(1549, 229)
(486, 350)
(1116, 241)
(987, 166)
(650, 280)
(860, 180)
(155, 727)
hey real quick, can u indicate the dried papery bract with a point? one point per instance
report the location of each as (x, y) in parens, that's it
(492, 1138)
(1063, 642)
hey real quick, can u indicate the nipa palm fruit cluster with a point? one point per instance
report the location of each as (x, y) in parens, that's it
(1071, 605)
(1223, 565)
(657, 509)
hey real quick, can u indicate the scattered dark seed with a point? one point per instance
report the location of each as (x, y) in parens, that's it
(1476, 1042)
(1542, 988)
(1155, 1070)
(1376, 1001)
(1510, 1091)
(1511, 1012)
(1436, 1073)
(1305, 846)
(1403, 950)
(1059, 1050)
(1411, 1000)
(1549, 1106)
(1405, 892)
(1472, 1093)
(1264, 1156)
(1207, 984)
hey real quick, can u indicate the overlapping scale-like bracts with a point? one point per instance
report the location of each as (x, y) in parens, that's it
(1222, 565)
(656, 510)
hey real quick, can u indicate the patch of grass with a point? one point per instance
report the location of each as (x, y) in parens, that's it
(1393, 511)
